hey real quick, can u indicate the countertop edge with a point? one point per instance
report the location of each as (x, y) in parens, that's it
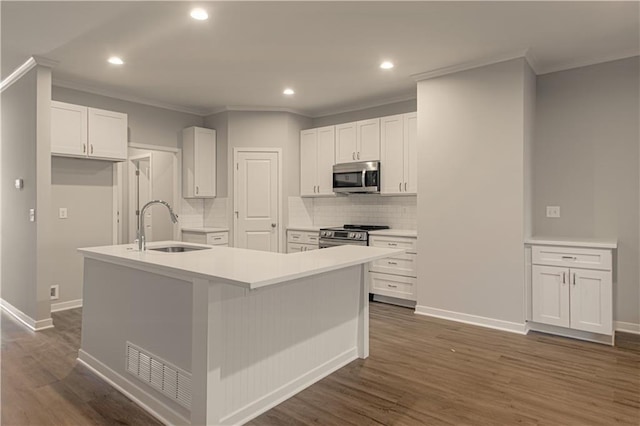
(568, 242)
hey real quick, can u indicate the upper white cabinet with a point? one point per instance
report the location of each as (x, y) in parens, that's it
(358, 141)
(79, 131)
(198, 162)
(398, 156)
(316, 161)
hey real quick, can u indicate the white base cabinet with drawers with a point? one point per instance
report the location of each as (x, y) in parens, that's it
(215, 238)
(298, 241)
(394, 277)
(572, 292)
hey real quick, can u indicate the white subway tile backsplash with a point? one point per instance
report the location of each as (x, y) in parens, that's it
(216, 213)
(191, 213)
(300, 211)
(396, 212)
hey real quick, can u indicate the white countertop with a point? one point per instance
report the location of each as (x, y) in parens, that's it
(396, 232)
(573, 242)
(206, 230)
(246, 268)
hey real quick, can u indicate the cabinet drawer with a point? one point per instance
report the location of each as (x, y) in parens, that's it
(297, 247)
(409, 244)
(403, 264)
(571, 257)
(303, 237)
(393, 286)
(218, 238)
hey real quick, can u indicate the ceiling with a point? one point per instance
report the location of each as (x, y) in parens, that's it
(329, 52)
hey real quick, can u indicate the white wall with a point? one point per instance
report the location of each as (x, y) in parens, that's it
(586, 161)
(85, 189)
(471, 207)
(26, 151)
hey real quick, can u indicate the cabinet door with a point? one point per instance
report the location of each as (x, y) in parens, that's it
(326, 160)
(550, 295)
(591, 301)
(68, 129)
(308, 162)
(205, 162)
(346, 146)
(410, 153)
(368, 133)
(393, 286)
(107, 134)
(392, 154)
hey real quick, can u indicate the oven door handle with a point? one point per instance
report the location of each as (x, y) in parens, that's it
(328, 243)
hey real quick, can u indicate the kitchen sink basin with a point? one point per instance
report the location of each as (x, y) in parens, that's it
(178, 249)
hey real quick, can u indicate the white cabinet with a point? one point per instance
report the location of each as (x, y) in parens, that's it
(398, 156)
(79, 131)
(317, 147)
(358, 141)
(394, 276)
(572, 288)
(298, 241)
(198, 162)
(212, 238)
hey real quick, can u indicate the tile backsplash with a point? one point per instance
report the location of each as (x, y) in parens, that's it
(199, 212)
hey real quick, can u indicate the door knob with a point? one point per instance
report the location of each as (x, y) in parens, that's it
(273, 225)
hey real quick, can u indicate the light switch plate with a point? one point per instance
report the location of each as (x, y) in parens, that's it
(19, 183)
(62, 213)
(32, 215)
(553, 211)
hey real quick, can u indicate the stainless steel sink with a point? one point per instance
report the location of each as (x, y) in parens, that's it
(177, 249)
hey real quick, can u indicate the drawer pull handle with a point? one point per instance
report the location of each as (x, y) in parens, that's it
(392, 244)
(564, 278)
(392, 285)
(217, 238)
(574, 278)
(569, 257)
(392, 263)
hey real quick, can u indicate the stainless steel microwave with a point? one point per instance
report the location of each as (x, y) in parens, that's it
(357, 178)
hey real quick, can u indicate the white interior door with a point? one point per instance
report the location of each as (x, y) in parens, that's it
(140, 194)
(257, 186)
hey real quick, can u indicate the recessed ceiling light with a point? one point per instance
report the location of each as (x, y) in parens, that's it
(386, 65)
(288, 91)
(115, 60)
(199, 14)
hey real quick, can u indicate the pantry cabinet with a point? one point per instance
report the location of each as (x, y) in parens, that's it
(571, 287)
(358, 141)
(317, 147)
(198, 162)
(398, 156)
(80, 131)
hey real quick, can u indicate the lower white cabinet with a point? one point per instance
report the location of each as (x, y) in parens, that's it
(216, 238)
(394, 276)
(572, 288)
(298, 241)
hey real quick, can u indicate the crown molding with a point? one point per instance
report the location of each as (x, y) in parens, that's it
(27, 66)
(527, 54)
(593, 61)
(226, 108)
(84, 87)
(365, 105)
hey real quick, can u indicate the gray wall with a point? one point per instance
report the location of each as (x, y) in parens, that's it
(26, 154)
(471, 207)
(85, 188)
(147, 124)
(586, 160)
(364, 114)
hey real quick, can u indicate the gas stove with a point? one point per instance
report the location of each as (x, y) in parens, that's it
(348, 234)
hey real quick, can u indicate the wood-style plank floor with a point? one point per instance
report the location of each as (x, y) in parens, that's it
(421, 371)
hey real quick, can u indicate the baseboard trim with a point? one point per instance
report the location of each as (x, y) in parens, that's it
(626, 327)
(267, 402)
(63, 306)
(512, 327)
(143, 399)
(571, 333)
(25, 319)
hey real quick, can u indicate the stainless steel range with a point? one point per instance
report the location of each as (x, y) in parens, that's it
(348, 234)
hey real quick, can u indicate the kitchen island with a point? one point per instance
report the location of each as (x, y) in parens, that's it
(220, 335)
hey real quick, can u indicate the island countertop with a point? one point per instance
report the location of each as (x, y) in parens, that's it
(250, 269)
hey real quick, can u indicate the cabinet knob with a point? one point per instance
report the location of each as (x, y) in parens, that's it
(353, 155)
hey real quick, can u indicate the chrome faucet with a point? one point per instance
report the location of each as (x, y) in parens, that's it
(142, 244)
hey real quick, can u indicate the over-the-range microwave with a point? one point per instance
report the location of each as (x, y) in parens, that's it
(357, 178)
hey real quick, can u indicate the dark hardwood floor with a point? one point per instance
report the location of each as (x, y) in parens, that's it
(421, 371)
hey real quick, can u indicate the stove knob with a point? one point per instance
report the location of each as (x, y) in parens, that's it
(351, 235)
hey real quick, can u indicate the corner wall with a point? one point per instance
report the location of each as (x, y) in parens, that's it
(471, 207)
(586, 160)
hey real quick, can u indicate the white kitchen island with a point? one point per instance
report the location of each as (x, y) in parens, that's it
(218, 336)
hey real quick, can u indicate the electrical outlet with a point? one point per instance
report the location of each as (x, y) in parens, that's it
(62, 213)
(54, 292)
(553, 211)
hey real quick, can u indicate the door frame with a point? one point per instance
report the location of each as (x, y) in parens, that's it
(280, 227)
(131, 161)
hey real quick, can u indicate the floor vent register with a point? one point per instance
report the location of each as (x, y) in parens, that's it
(159, 374)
